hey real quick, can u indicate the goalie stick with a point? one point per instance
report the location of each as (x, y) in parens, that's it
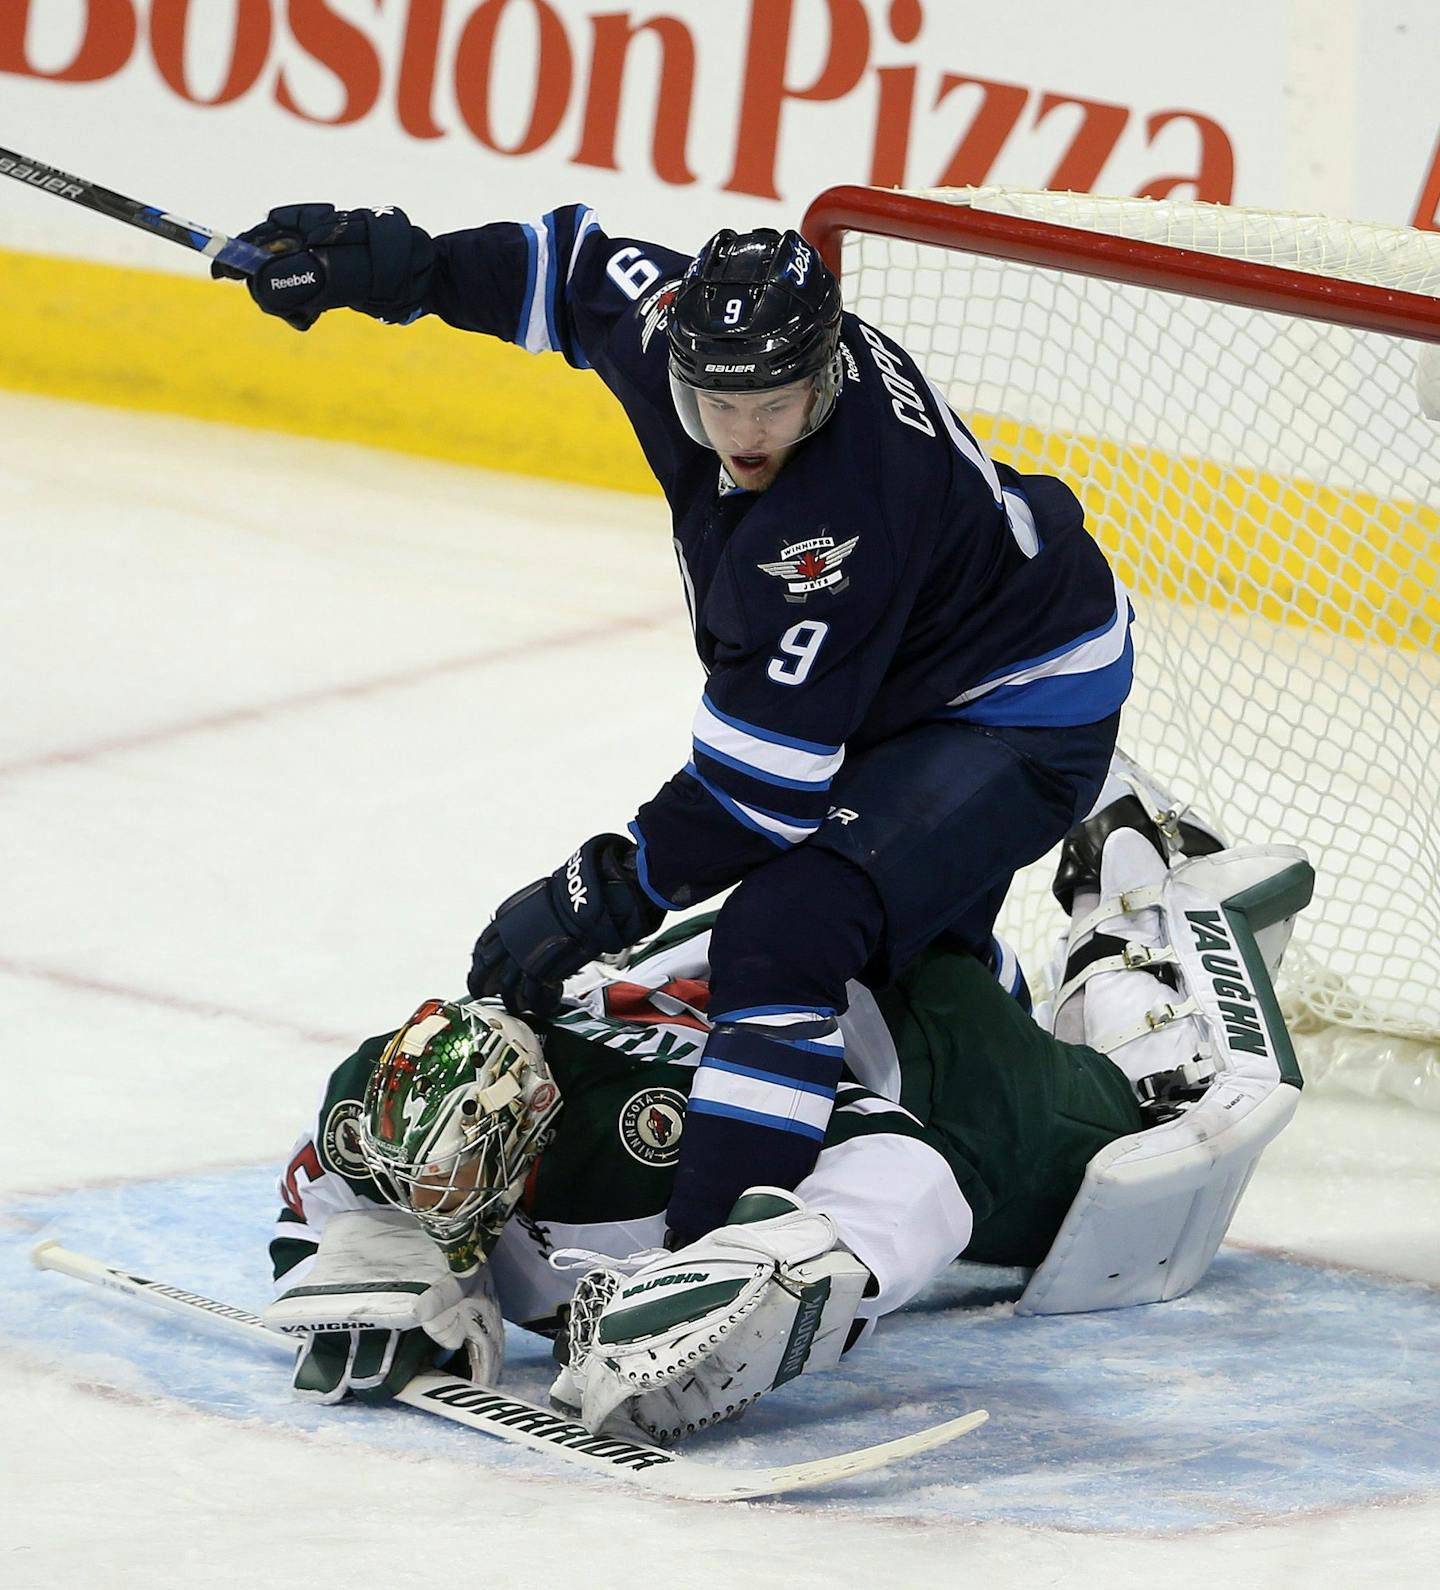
(652, 1468)
(76, 190)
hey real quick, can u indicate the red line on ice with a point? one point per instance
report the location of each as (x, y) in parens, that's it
(238, 716)
(163, 1001)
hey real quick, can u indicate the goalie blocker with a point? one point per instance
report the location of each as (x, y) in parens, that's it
(377, 1305)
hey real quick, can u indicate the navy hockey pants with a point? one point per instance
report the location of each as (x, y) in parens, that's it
(925, 833)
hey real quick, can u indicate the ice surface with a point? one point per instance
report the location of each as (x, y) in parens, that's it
(282, 721)
(1233, 1404)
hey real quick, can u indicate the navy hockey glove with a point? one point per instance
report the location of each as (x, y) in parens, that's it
(370, 260)
(546, 932)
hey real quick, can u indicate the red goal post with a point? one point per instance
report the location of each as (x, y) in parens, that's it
(1245, 403)
(922, 218)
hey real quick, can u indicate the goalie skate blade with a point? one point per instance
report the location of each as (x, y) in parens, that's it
(491, 1412)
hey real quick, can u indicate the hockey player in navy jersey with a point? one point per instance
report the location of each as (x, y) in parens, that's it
(472, 1166)
(914, 656)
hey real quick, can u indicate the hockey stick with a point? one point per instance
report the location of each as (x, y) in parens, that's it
(527, 1424)
(214, 245)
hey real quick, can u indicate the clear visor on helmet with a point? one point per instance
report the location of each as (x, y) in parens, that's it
(744, 423)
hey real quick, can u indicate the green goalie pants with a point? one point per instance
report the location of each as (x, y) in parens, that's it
(1017, 1114)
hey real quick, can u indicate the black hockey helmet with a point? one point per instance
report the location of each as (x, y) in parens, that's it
(755, 310)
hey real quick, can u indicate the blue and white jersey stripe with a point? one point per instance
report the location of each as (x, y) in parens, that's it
(967, 444)
(763, 754)
(551, 264)
(1017, 511)
(779, 829)
(1021, 521)
(1081, 681)
(772, 783)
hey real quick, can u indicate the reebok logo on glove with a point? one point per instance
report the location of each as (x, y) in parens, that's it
(300, 279)
(574, 887)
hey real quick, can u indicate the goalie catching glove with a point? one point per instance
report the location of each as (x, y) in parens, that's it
(379, 1305)
(696, 1336)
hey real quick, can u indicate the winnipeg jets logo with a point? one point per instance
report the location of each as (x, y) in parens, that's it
(656, 311)
(812, 565)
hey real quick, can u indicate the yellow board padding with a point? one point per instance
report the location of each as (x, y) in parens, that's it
(1183, 528)
(1236, 538)
(145, 340)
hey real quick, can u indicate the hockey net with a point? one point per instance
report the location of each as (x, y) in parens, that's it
(1239, 398)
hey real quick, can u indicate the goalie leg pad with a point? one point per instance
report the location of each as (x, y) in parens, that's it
(1206, 1048)
(698, 1335)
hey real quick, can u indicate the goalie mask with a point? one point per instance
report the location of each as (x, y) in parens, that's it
(456, 1112)
(756, 313)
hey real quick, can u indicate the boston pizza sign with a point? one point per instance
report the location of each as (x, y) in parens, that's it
(521, 76)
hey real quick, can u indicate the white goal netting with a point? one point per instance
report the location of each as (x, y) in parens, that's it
(1265, 483)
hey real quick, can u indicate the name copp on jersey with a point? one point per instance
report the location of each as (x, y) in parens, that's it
(892, 573)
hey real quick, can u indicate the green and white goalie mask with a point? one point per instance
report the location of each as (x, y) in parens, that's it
(456, 1112)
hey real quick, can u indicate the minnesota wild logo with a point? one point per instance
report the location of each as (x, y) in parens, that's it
(340, 1141)
(651, 1123)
